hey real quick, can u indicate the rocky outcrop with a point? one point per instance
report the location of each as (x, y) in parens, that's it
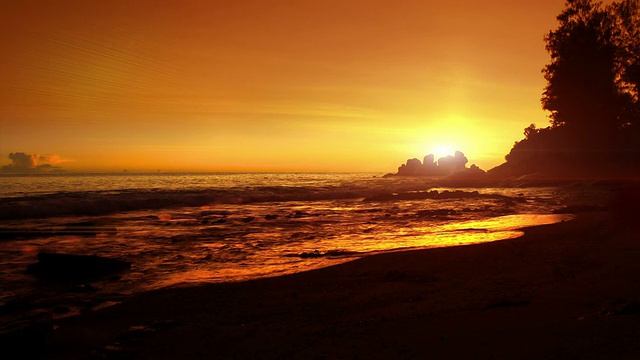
(445, 166)
(451, 164)
(76, 267)
(439, 195)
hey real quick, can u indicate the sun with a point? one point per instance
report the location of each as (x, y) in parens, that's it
(442, 151)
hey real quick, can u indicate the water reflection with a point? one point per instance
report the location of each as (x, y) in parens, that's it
(277, 260)
(487, 230)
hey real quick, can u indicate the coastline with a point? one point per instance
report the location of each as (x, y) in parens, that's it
(567, 290)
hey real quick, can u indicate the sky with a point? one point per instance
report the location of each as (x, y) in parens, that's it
(217, 85)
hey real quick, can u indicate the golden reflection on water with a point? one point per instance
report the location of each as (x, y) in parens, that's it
(499, 228)
(486, 230)
(509, 222)
(204, 275)
(446, 235)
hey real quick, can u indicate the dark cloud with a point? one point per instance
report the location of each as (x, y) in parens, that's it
(32, 163)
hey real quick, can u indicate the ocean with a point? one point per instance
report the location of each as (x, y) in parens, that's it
(185, 228)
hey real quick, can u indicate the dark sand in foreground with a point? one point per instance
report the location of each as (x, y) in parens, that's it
(563, 291)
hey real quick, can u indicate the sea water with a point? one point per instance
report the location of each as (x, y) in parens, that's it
(193, 228)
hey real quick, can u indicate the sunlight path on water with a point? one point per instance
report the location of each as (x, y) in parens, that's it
(452, 234)
(446, 235)
(184, 229)
(499, 228)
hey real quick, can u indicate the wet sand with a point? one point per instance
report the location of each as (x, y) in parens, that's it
(562, 291)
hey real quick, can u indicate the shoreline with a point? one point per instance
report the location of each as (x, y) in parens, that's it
(566, 290)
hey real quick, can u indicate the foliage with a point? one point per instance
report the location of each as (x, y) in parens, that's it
(594, 71)
(592, 94)
(628, 44)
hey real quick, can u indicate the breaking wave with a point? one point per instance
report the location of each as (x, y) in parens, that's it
(100, 203)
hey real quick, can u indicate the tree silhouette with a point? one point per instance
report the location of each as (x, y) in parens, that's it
(582, 89)
(592, 94)
(628, 45)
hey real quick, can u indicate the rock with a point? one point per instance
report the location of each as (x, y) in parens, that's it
(472, 172)
(458, 194)
(466, 177)
(403, 196)
(434, 194)
(299, 214)
(270, 217)
(319, 254)
(411, 168)
(445, 166)
(314, 254)
(75, 267)
(451, 164)
(340, 253)
(429, 160)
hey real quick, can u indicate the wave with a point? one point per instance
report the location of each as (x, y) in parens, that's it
(101, 203)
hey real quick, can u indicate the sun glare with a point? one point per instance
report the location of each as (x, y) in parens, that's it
(442, 151)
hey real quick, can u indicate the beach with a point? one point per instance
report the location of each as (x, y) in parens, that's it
(562, 291)
(188, 229)
(227, 180)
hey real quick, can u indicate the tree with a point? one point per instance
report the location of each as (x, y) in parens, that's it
(592, 94)
(593, 76)
(628, 43)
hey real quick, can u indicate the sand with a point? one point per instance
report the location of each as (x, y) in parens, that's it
(562, 291)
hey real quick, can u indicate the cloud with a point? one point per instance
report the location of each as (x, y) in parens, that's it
(22, 160)
(53, 159)
(33, 163)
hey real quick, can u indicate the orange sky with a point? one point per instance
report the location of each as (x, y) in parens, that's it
(214, 85)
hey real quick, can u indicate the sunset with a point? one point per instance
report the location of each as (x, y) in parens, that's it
(268, 86)
(217, 179)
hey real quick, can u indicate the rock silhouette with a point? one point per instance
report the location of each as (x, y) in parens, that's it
(75, 267)
(445, 166)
